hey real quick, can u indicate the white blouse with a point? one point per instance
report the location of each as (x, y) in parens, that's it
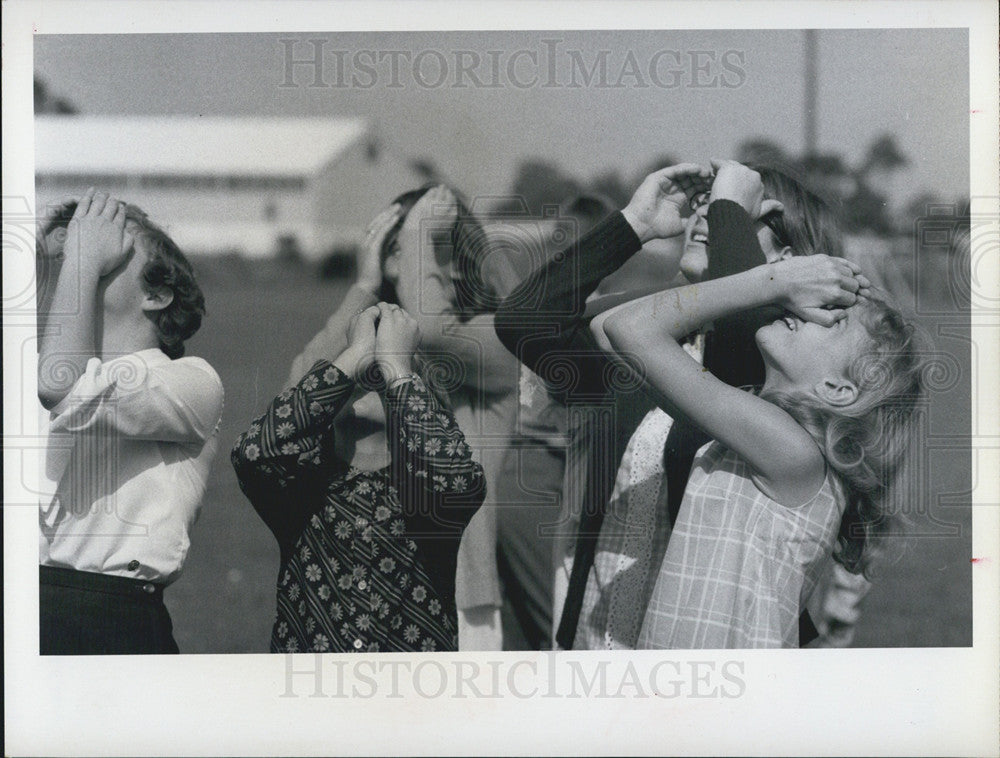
(130, 449)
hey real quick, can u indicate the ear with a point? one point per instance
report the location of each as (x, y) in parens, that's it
(786, 253)
(158, 300)
(837, 392)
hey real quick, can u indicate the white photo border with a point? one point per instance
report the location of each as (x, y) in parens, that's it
(858, 701)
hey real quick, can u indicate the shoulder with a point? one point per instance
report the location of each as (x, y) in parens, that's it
(191, 366)
(192, 377)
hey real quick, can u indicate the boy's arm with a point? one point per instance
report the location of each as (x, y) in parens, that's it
(543, 321)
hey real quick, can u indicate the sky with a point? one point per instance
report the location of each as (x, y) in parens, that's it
(478, 103)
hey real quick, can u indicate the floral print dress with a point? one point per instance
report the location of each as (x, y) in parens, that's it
(367, 557)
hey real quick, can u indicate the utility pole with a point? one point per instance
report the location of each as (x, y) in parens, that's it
(811, 85)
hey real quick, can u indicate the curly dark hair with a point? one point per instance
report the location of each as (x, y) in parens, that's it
(166, 267)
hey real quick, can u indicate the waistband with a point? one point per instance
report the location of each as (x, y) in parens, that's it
(107, 583)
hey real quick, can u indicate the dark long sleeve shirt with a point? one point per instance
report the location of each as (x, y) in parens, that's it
(367, 557)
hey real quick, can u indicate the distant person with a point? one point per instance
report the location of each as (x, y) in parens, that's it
(367, 483)
(133, 429)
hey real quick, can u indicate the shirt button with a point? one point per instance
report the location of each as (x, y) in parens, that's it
(148, 588)
(133, 565)
(358, 644)
(362, 585)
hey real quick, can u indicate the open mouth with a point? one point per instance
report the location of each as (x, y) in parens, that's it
(699, 237)
(791, 323)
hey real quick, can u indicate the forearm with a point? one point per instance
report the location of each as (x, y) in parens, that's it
(289, 434)
(331, 340)
(735, 247)
(431, 460)
(546, 312)
(543, 322)
(69, 340)
(180, 401)
(731, 353)
(681, 311)
(47, 269)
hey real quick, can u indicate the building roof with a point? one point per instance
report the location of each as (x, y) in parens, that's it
(137, 145)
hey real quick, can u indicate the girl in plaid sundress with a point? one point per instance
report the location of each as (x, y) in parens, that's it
(796, 473)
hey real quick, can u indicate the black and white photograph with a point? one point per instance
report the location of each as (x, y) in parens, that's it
(542, 379)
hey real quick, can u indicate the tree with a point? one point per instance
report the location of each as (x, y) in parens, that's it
(883, 155)
(539, 183)
(762, 151)
(46, 102)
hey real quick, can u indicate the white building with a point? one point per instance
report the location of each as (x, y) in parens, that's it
(246, 185)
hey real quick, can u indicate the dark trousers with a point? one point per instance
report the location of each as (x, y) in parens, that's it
(83, 613)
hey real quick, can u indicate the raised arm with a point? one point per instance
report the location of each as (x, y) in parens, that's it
(439, 485)
(331, 340)
(50, 243)
(645, 334)
(287, 453)
(176, 401)
(294, 435)
(95, 245)
(543, 321)
(436, 474)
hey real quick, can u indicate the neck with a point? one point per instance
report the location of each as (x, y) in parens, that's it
(775, 380)
(120, 336)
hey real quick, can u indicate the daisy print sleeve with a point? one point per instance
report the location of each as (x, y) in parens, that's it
(431, 461)
(282, 451)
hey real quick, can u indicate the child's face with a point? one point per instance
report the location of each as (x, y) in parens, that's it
(801, 355)
(694, 255)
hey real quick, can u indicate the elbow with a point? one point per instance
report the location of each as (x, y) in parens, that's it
(618, 331)
(244, 455)
(49, 399)
(628, 329)
(506, 327)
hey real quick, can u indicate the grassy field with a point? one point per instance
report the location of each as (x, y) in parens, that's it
(259, 318)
